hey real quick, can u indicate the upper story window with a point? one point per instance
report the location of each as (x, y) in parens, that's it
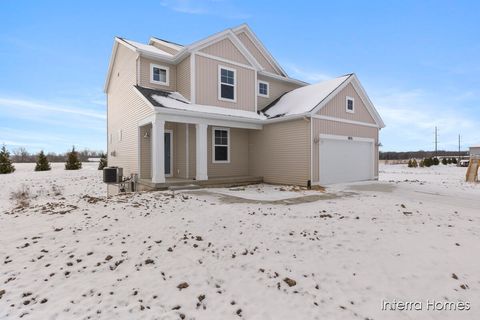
(159, 74)
(350, 105)
(227, 83)
(221, 145)
(263, 89)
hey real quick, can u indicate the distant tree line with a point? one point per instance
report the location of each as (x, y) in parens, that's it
(20, 155)
(392, 155)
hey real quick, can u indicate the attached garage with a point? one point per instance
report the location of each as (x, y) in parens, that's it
(343, 136)
(345, 159)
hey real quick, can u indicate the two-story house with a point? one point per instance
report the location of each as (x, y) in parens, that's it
(223, 107)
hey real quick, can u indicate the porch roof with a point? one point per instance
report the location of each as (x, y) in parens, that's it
(174, 100)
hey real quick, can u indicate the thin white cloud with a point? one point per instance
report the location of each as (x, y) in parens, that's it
(220, 8)
(411, 117)
(45, 106)
(306, 75)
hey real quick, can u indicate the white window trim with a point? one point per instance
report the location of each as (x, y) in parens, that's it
(268, 89)
(213, 145)
(346, 104)
(167, 69)
(220, 67)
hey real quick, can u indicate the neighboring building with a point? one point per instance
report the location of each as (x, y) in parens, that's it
(475, 150)
(224, 107)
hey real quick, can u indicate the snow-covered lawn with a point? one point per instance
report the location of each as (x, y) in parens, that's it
(72, 253)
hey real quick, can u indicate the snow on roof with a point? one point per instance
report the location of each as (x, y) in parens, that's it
(303, 99)
(475, 146)
(174, 100)
(147, 48)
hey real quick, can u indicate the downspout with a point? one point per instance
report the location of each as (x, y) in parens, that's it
(137, 75)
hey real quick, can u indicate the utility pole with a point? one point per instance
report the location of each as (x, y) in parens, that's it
(436, 141)
(458, 163)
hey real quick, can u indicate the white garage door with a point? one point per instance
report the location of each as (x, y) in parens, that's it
(344, 160)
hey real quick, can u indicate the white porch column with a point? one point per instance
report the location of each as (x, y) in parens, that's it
(158, 150)
(201, 147)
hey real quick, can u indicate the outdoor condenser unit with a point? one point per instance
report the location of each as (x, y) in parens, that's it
(110, 174)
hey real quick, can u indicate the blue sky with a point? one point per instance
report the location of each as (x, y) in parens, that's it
(418, 60)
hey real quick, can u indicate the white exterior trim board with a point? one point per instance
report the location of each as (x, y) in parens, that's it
(206, 55)
(359, 123)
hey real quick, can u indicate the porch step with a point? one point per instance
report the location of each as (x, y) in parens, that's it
(184, 187)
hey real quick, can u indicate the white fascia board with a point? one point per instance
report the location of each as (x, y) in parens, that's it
(256, 41)
(110, 65)
(233, 37)
(286, 79)
(364, 96)
(332, 94)
(358, 123)
(184, 116)
(165, 43)
(227, 34)
(356, 85)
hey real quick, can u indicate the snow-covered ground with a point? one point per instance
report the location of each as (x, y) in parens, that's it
(71, 253)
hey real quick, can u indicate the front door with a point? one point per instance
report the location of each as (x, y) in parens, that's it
(168, 153)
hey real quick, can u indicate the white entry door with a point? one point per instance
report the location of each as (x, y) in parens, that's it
(345, 160)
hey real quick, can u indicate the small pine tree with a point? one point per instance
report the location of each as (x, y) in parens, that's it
(42, 162)
(103, 161)
(454, 160)
(414, 163)
(73, 163)
(6, 165)
(410, 163)
(449, 161)
(422, 164)
(436, 162)
(428, 162)
(444, 161)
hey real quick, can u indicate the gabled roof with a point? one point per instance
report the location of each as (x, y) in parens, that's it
(147, 48)
(303, 99)
(308, 100)
(245, 28)
(167, 43)
(183, 51)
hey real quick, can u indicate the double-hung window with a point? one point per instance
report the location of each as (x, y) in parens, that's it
(350, 105)
(226, 83)
(221, 145)
(263, 87)
(159, 74)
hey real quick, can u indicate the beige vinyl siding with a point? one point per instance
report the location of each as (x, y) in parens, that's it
(165, 48)
(238, 165)
(125, 109)
(257, 54)
(281, 152)
(337, 107)
(321, 126)
(145, 152)
(183, 77)
(206, 76)
(145, 76)
(276, 89)
(227, 50)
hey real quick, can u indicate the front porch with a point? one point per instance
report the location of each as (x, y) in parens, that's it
(226, 182)
(190, 151)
